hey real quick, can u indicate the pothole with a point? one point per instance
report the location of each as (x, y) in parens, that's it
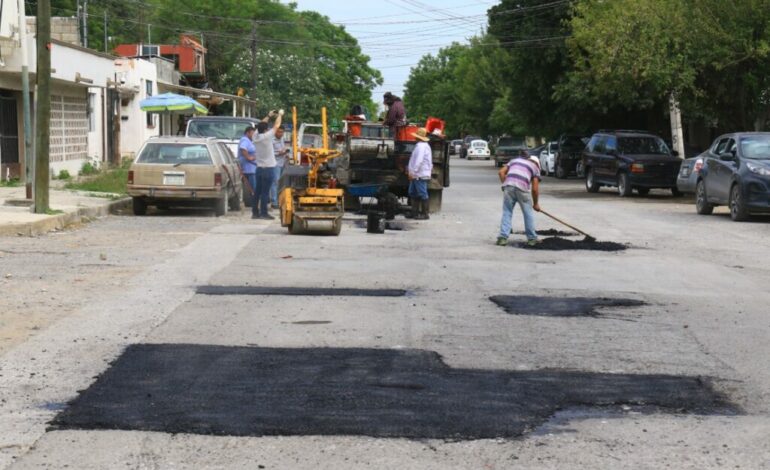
(254, 391)
(559, 306)
(299, 291)
(561, 244)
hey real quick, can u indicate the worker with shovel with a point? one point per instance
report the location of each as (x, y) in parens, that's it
(521, 184)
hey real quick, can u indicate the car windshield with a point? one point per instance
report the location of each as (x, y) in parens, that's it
(226, 130)
(756, 147)
(642, 145)
(573, 142)
(479, 144)
(175, 154)
(470, 138)
(311, 140)
(511, 142)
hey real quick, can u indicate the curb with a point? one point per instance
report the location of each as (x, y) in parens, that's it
(61, 221)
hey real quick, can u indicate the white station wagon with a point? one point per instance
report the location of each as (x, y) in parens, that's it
(478, 149)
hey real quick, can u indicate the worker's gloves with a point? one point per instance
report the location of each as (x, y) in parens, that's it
(280, 112)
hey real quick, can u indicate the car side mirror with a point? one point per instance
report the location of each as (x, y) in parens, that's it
(727, 156)
(675, 153)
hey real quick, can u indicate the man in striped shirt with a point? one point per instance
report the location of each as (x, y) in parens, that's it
(521, 183)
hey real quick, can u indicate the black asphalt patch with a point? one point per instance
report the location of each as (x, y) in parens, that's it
(294, 291)
(551, 232)
(252, 391)
(560, 244)
(559, 306)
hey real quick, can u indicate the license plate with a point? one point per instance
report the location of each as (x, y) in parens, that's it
(173, 179)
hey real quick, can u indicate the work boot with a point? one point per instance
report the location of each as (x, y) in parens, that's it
(422, 210)
(414, 209)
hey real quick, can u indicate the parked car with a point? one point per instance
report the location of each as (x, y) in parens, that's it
(736, 172)
(689, 173)
(567, 158)
(466, 144)
(630, 160)
(548, 158)
(478, 149)
(454, 147)
(184, 171)
(508, 148)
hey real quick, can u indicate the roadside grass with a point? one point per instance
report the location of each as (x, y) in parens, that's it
(108, 181)
(12, 183)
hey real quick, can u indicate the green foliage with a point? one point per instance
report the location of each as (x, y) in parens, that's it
(88, 169)
(11, 183)
(64, 175)
(110, 181)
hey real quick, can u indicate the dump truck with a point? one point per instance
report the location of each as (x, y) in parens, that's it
(371, 156)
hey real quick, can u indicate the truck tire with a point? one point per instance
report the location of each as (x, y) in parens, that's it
(591, 185)
(624, 187)
(434, 200)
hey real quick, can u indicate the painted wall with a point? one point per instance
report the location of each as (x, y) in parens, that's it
(133, 75)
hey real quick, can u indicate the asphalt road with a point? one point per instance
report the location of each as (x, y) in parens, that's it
(116, 355)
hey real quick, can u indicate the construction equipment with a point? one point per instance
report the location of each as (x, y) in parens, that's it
(306, 205)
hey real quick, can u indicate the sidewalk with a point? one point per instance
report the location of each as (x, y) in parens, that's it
(75, 207)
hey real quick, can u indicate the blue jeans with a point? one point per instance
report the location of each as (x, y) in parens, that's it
(418, 189)
(278, 170)
(252, 177)
(262, 192)
(512, 195)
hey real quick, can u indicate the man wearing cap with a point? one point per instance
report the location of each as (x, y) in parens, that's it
(521, 183)
(419, 172)
(396, 115)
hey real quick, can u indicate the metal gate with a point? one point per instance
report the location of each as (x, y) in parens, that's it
(9, 134)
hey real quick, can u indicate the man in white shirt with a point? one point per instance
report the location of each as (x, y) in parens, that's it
(281, 152)
(419, 171)
(263, 142)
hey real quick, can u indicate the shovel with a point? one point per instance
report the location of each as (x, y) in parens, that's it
(588, 238)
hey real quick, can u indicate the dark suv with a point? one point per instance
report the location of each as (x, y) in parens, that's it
(568, 153)
(629, 160)
(508, 148)
(466, 144)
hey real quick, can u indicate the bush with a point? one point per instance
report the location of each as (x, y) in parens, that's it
(88, 169)
(64, 175)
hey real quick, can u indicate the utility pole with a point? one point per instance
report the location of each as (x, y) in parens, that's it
(29, 159)
(106, 38)
(677, 136)
(254, 59)
(43, 114)
(85, 23)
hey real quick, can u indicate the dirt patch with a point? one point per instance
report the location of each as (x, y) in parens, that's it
(296, 291)
(252, 391)
(559, 306)
(562, 244)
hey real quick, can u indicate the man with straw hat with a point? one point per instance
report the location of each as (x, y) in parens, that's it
(419, 172)
(521, 183)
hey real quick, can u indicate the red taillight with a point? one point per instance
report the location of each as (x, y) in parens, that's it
(217, 179)
(637, 168)
(698, 166)
(130, 176)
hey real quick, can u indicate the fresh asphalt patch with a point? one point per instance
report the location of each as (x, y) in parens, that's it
(303, 291)
(254, 391)
(561, 244)
(559, 306)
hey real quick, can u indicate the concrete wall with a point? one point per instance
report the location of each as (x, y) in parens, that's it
(62, 28)
(134, 129)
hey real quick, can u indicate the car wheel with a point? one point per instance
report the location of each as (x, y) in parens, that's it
(139, 206)
(624, 188)
(579, 170)
(235, 201)
(738, 210)
(591, 185)
(676, 192)
(643, 191)
(702, 205)
(561, 173)
(220, 206)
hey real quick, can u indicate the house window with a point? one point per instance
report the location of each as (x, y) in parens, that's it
(91, 112)
(150, 51)
(150, 116)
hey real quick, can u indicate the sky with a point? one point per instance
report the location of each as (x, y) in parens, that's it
(395, 34)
